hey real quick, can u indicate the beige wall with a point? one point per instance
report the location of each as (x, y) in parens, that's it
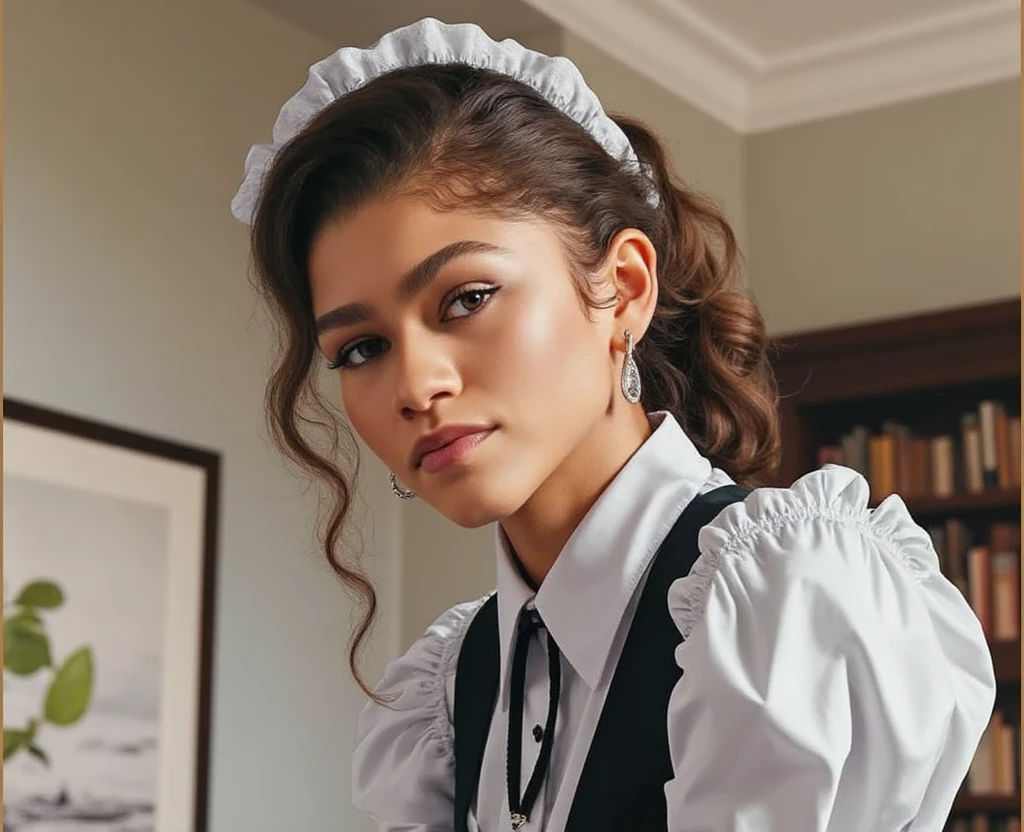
(126, 300)
(442, 565)
(892, 211)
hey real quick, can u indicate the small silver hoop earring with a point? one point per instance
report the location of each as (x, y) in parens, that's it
(630, 373)
(397, 489)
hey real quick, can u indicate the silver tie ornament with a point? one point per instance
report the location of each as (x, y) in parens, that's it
(630, 373)
(397, 490)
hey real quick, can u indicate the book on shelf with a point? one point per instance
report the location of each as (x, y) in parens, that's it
(1005, 580)
(986, 569)
(970, 429)
(996, 453)
(979, 585)
(994, 770)
(983, 456)
(943, 466)
(1013, 431)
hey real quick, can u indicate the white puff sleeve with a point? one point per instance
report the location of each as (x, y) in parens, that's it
(833, 679)
(403, 769)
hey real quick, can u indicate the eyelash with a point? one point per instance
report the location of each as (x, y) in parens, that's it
(341, 359)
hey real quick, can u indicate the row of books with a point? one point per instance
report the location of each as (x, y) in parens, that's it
(994, 770)
(986, 568)
(983, 823)
(984, 456)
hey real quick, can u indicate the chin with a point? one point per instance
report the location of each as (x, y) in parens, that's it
(472, 506)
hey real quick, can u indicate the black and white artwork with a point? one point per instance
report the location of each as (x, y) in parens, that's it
(108, 572)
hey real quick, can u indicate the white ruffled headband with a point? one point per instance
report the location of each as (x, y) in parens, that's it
(429, 41)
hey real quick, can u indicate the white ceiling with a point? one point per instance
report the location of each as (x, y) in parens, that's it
(753, 64)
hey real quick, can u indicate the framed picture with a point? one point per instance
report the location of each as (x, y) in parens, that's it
(109, 565)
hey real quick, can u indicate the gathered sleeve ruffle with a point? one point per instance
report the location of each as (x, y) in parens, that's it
(833, 679)
(403, 770)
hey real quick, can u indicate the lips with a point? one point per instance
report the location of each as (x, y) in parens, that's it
(443, 437)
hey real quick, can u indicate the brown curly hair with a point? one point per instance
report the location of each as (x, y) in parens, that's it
(469, 138)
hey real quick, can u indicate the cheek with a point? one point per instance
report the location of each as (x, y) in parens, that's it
(550, 355)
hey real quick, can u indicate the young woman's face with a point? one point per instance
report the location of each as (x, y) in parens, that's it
(438, 321)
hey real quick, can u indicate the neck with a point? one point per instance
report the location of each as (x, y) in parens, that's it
(539, 530)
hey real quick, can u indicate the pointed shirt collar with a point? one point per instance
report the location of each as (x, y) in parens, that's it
(591, 583)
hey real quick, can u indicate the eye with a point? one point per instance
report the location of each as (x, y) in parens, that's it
(359, 353)
(469, 301)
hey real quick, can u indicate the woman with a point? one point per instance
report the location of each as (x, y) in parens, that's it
(533, 324)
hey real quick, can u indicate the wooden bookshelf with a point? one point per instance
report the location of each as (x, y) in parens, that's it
(924, 372)
(917, 360)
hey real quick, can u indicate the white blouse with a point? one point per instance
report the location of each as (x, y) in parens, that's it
(833, 679)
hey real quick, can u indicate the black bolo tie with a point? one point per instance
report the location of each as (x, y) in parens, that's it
(519, 806)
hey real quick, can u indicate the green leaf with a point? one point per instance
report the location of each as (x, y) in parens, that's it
(43, 594)
(26, 647)
(39, 754)
(70, 691)
(13, 740)
(29, 615)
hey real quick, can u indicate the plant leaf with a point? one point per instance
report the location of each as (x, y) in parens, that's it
(43, 594)
(30, 615)
(39, 754)
(26, 647)
(71, 689)
(13, 740)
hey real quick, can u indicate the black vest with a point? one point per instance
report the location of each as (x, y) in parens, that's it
(622, 783)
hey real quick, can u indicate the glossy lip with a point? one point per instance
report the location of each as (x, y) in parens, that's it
(443, 436)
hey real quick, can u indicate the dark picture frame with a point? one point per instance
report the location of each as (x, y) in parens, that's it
(172, 491)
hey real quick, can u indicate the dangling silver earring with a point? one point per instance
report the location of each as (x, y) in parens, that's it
(630, 373)
(397, 489)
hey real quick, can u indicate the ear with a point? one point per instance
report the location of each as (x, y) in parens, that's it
(632, 268)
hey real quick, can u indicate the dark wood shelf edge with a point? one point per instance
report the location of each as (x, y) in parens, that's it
(1001, 498)
(926, 326)
(1004, 804)
(919, 352)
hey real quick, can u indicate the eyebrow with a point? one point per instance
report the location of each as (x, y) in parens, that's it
(415, 281)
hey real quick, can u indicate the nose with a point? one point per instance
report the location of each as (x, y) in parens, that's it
(425, 372)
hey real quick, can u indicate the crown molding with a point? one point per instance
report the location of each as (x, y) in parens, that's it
(684, 63)
(674, 45)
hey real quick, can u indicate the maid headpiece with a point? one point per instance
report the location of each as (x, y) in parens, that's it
(429, 41)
